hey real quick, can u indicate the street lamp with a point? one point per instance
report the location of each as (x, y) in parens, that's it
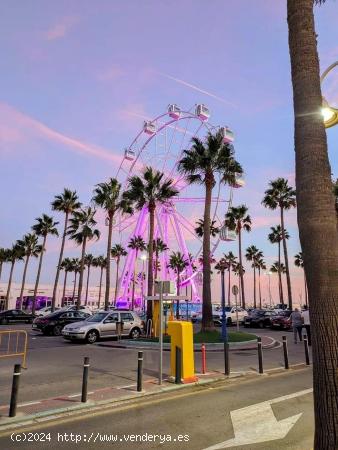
(329, 113)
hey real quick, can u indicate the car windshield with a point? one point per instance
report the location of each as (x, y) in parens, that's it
(98, 317)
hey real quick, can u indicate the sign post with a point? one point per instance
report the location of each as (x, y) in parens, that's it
(235, 292)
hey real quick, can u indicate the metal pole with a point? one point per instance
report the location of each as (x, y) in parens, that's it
(161, 334)
(85, 379)
(224, 328)
(237, 323)
(187, 311)
(139, 371)
(15, 390)
(226, 359)
(204, 363)
(285, 351)
(306, 348)
(178, 365)
(260, 355)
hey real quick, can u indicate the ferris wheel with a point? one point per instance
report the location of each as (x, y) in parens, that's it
(160, 144)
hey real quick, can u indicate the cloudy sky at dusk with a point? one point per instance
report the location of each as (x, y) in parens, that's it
(77, 78)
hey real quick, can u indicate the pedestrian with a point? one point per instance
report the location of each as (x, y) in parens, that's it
(306, 323)
(297, 324)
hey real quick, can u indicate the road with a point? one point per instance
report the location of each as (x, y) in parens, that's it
(204, 416)
(55, 365)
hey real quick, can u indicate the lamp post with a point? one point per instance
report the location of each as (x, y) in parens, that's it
(329, 113)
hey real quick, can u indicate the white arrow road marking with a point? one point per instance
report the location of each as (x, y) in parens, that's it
(257, 423)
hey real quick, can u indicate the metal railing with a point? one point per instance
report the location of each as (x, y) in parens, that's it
(12, 344)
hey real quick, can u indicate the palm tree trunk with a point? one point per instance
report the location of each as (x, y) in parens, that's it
(0, 269)
(178, 293)
(207, 321)
(110, 232)
(23, 282)
(100, 288)
(64, 289)
(280, 282)
(156, 263)
(82, 266)
(117, 279)
(288, 280)
(150, 260)
(259, 288)
(9, 284)
(317, 219)
(60, 261)
(87, 285)
(133, 289)
(241, 267)
(229, 283)
(74, 288)
(255, 303)
(38, 274)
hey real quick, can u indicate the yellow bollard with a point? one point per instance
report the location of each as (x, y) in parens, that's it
(182, 336)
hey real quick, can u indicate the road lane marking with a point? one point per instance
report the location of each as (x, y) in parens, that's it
(257, 423)
(28, 404)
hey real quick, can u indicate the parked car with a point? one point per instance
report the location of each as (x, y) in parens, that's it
(54, 323)
(231, 314)
(45, 311)
(259, 318)
(83, 308)
(15, 315)
(104, 324)
(281, 320)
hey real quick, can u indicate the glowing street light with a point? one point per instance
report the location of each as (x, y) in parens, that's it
(330, 114)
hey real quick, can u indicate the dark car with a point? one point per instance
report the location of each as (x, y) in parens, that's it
(15, 315)
(259, 318)
(54, 323)
(281, 320)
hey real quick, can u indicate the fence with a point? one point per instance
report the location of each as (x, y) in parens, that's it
(14, 343)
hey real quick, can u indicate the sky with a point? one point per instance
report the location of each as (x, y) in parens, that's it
(78, 78)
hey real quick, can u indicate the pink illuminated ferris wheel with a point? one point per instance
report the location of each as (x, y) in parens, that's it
(160, 144)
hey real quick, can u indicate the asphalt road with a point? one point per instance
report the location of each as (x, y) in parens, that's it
(55, 365)
(202, 416)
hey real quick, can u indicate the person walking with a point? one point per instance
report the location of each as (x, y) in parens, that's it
(297, 324)
(306, 323)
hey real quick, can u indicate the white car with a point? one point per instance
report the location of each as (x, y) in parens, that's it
(45, 311)
(231, 313)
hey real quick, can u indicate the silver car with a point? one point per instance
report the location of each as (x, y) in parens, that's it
(104, 324)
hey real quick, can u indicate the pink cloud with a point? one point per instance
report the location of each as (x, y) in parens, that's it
(60, 30)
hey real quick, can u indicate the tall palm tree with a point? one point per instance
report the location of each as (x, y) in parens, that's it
(149, 190)
(76, 267)
(260, 265)
(200, 165)
(281, 195)
(318, 236)
(231, 259)
(138, 244)
(159, 247)
(67, 202)
(108, 196)
(199, 230)
(221, 266)
(30, 248)
(116, 253)
(177, 263)
(237, 219)
(82, 230)
(45, 225)
(277, 267)
(89, 258)
(14, 254)
(239, 270)
(68, 266)
(299, 262)
(101, 263)
(276, 237)
(3, 258)
(252, 254)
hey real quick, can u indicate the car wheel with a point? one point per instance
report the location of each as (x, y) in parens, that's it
(4, 321)
(92, 336)
(135, 333)
(57, 330)
(229, 321)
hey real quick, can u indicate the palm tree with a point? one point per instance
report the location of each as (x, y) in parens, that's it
(278, 267)
(3, 258)
(299, 262)
(76, 267)
(148, 191)
(199, 230)
(108, 196)
(138, 244)
(101, 263)
(239, 270)
(237, 219)
(260, 265)
(67, 202)
(14, 254)
(68, 266)
(281, 195)
(116, 253)
(159, 247)
(177, 263)
(317, 219)
(45, 225)
(30, 248)
(200, 165)
(276, 237)
(89, 258)
(221, 266)
(82, 230)
(252, 254)
(231, 259)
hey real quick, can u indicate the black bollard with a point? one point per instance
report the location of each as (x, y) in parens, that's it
(306, 348)
(285, 351)
(139, 371)
(178, 365)
(226, 359)
(15, 390)
(85, 379)
(260, 355)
